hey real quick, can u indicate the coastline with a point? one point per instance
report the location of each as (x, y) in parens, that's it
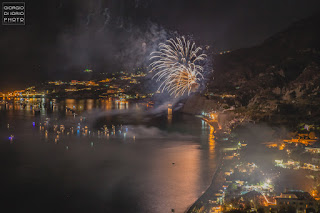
(212, 188)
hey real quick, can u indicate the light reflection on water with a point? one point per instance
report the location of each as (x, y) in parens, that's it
(89, 171)
(212, 142)
(29, 104)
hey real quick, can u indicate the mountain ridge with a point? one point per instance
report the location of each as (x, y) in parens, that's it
(280, 76)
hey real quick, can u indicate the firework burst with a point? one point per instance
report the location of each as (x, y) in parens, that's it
(178, 65)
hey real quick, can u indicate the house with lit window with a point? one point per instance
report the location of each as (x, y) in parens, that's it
(300, 201)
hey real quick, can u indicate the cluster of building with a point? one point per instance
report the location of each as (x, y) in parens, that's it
(243, 185)
(302, 151)
(247, 188)
(120, 86)
(28, 92)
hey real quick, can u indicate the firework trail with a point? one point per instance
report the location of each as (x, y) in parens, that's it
(178, 65)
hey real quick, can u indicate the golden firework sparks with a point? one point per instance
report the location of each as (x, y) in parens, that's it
(178, 65)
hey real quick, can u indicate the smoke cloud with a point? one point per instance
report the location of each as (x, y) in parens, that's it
(108, 39)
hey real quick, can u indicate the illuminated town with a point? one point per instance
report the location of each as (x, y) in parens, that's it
(122, 86)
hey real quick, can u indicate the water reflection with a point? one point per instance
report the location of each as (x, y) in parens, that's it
(208, 137)
(147, 175)
(212, 143)
(89, 104)
(169, 115)
(70, 106)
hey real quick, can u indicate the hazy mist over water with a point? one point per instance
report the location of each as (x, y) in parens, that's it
(154, 164)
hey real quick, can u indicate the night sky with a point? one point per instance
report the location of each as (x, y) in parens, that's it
(61, 38)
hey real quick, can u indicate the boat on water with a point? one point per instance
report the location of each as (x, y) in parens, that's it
(36, 109)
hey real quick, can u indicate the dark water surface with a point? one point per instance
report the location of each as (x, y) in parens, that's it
(152, 163)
